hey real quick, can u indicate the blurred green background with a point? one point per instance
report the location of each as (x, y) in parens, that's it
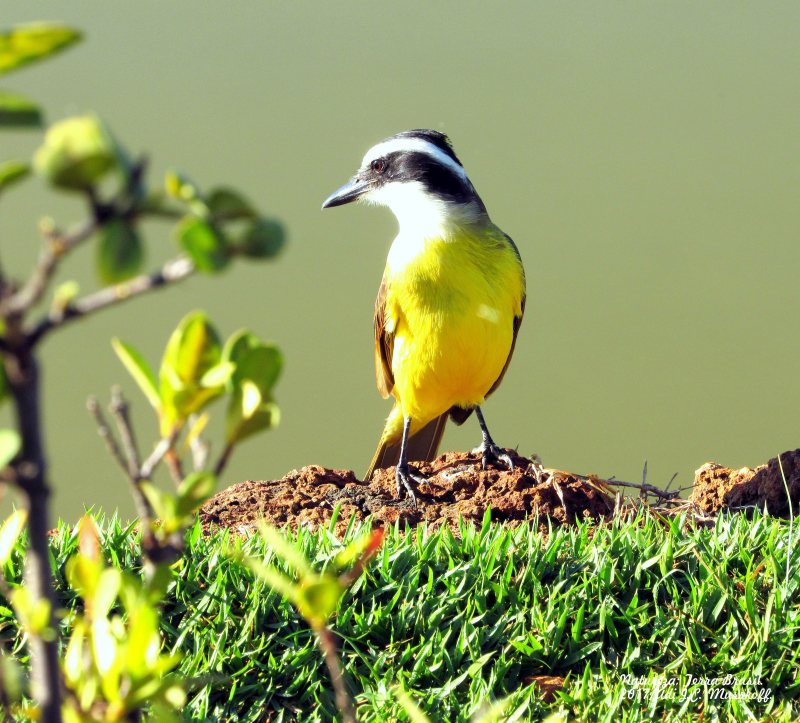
(645, 158)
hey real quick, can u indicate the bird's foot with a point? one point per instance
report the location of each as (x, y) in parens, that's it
(404, 477)
(491, 453)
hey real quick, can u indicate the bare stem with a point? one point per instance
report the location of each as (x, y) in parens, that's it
(173, 462)
(172, 272)
(224, 458)
(327, 643)
(31, 477)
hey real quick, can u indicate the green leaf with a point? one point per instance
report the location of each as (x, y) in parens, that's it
(243, 422)
(10, 444)
(104, 644)
(204, 244)
(319, 597)
(143, 641)
(195, 489)
(139, 369)
(414, 712)
(285, 550)
(163, 505)
(258, 366)
(77, 152)
(218, 375)
(12, 172)
(274, 578)
(263, 239)
(106, 593)
(9, 534)
(73, 658)
(192, 350)
(17, 111)
(226, 204)
(26, 44)
(120, 254)
(181, 187)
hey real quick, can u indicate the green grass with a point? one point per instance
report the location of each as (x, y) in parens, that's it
(462, 622)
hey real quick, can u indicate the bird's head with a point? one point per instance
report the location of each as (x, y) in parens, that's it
(418, 176)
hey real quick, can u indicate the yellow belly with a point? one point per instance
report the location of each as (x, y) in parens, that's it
(452, 310)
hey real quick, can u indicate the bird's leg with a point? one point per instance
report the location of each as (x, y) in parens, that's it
(403, 473)
(488, 450)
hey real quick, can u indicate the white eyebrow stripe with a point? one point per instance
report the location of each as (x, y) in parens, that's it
(410, 145)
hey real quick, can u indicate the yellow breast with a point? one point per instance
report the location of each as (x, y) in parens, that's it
(450, 305)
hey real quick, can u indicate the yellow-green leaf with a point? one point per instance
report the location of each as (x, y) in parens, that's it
(195, 489)
(104, 644)
(414, 712)
(139, 369)
(12, 172)
(73, 658)
(26, 44)
(10, 444)
(10, 532)
(319, 596)
(77, 152)
(251, 398)
(284, 549)
(218, 375)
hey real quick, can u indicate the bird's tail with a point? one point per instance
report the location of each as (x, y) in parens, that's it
(422, 444)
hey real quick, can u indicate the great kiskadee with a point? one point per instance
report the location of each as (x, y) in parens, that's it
(450, 303)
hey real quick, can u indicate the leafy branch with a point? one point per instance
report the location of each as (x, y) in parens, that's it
(80, 155)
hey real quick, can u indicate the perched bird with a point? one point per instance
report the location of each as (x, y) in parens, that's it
(450, 303)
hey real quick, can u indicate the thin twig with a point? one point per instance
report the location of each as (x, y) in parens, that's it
(172, 272)
(56, 247)
(119, 408)
(155, 457)
(644, 487)
(129, 467)
(107, 436)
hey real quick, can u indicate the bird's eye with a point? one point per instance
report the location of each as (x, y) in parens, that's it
(378, 165)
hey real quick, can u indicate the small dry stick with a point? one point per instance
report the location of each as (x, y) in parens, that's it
(644, 487)
(129, 467)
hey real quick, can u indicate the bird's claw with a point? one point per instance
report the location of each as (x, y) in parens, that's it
(404, 477)
(491, 453)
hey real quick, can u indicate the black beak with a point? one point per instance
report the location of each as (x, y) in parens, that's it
(351, 190)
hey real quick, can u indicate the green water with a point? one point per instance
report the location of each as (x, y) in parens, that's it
(644, 157)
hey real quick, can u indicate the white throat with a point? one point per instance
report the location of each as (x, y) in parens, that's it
(422, 218)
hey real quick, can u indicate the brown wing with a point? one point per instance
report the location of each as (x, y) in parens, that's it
(517, 322)
(384, 343)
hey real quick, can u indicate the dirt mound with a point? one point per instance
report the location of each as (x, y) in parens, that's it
(457, 488)
(717, 487)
